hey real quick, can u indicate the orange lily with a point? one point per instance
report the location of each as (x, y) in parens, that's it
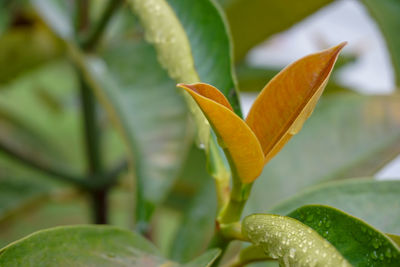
(277, 114)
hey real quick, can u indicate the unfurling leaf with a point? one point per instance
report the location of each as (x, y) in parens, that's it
(278, 113)
(290, 241)
(286, 102)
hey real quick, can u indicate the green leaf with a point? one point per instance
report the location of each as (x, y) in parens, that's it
(20, 194)
(290, 241)
(147, 109)
(197, 225)
(395, 239)
(60, 206)
(369, 200)
(89, 246)
(358, 242)
(191, 40)
(204, 260)
(386, 14)
(45, 124)
(349, 135)
(252, 22)
(81, 246)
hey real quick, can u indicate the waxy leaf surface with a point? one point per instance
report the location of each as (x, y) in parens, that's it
(358, 242)
(290, 241)
(370, 200)
(89, 246)
(289, 99)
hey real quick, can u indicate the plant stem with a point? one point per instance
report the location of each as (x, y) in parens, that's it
(82, 16)
(92, 142)
(44, 167)
(96, 33)
(230, 215)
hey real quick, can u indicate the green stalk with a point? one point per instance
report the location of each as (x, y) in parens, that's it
(228, 220)
(44, 167)
(92, 142)
(96, 33)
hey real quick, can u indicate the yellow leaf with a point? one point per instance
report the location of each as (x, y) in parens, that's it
(289, 98)
(238, 140)
(278, 113)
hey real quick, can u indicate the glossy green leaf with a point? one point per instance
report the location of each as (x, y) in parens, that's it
(252, 22)
(386, 14)
(290, 241)
(191, 40)
(348, 136)
(369, 200)
(358, 242)
(147, 109)
(90, 246)
(81, 246)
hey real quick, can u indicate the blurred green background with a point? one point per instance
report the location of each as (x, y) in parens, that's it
(354, 132)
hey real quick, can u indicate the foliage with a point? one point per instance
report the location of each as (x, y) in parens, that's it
(127, 113)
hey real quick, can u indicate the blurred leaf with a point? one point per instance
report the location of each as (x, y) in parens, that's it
(61, 206)
(57, 15)
(395, 239)
(291, 242)
(386, 14)
(147, 110)
(197, 225)
(204, 260)
(192, 42)
(252, 22)
(254, 78)
(191, 180)
(369, 200)
(90, 245)
(348, 136)
(358, 242)
(17, 195)
(33, 126)
(289, 99)
(16, 57)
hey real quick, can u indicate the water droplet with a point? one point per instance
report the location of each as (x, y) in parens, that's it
(388, 253)
(375, 243)
(374, 255)
(310, 217)
(328, 223)
(363, 229)
(292, 253)
(320, 223)
(381, 257)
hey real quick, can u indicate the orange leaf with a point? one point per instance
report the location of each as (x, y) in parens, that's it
(289, 98)
(238, 139)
